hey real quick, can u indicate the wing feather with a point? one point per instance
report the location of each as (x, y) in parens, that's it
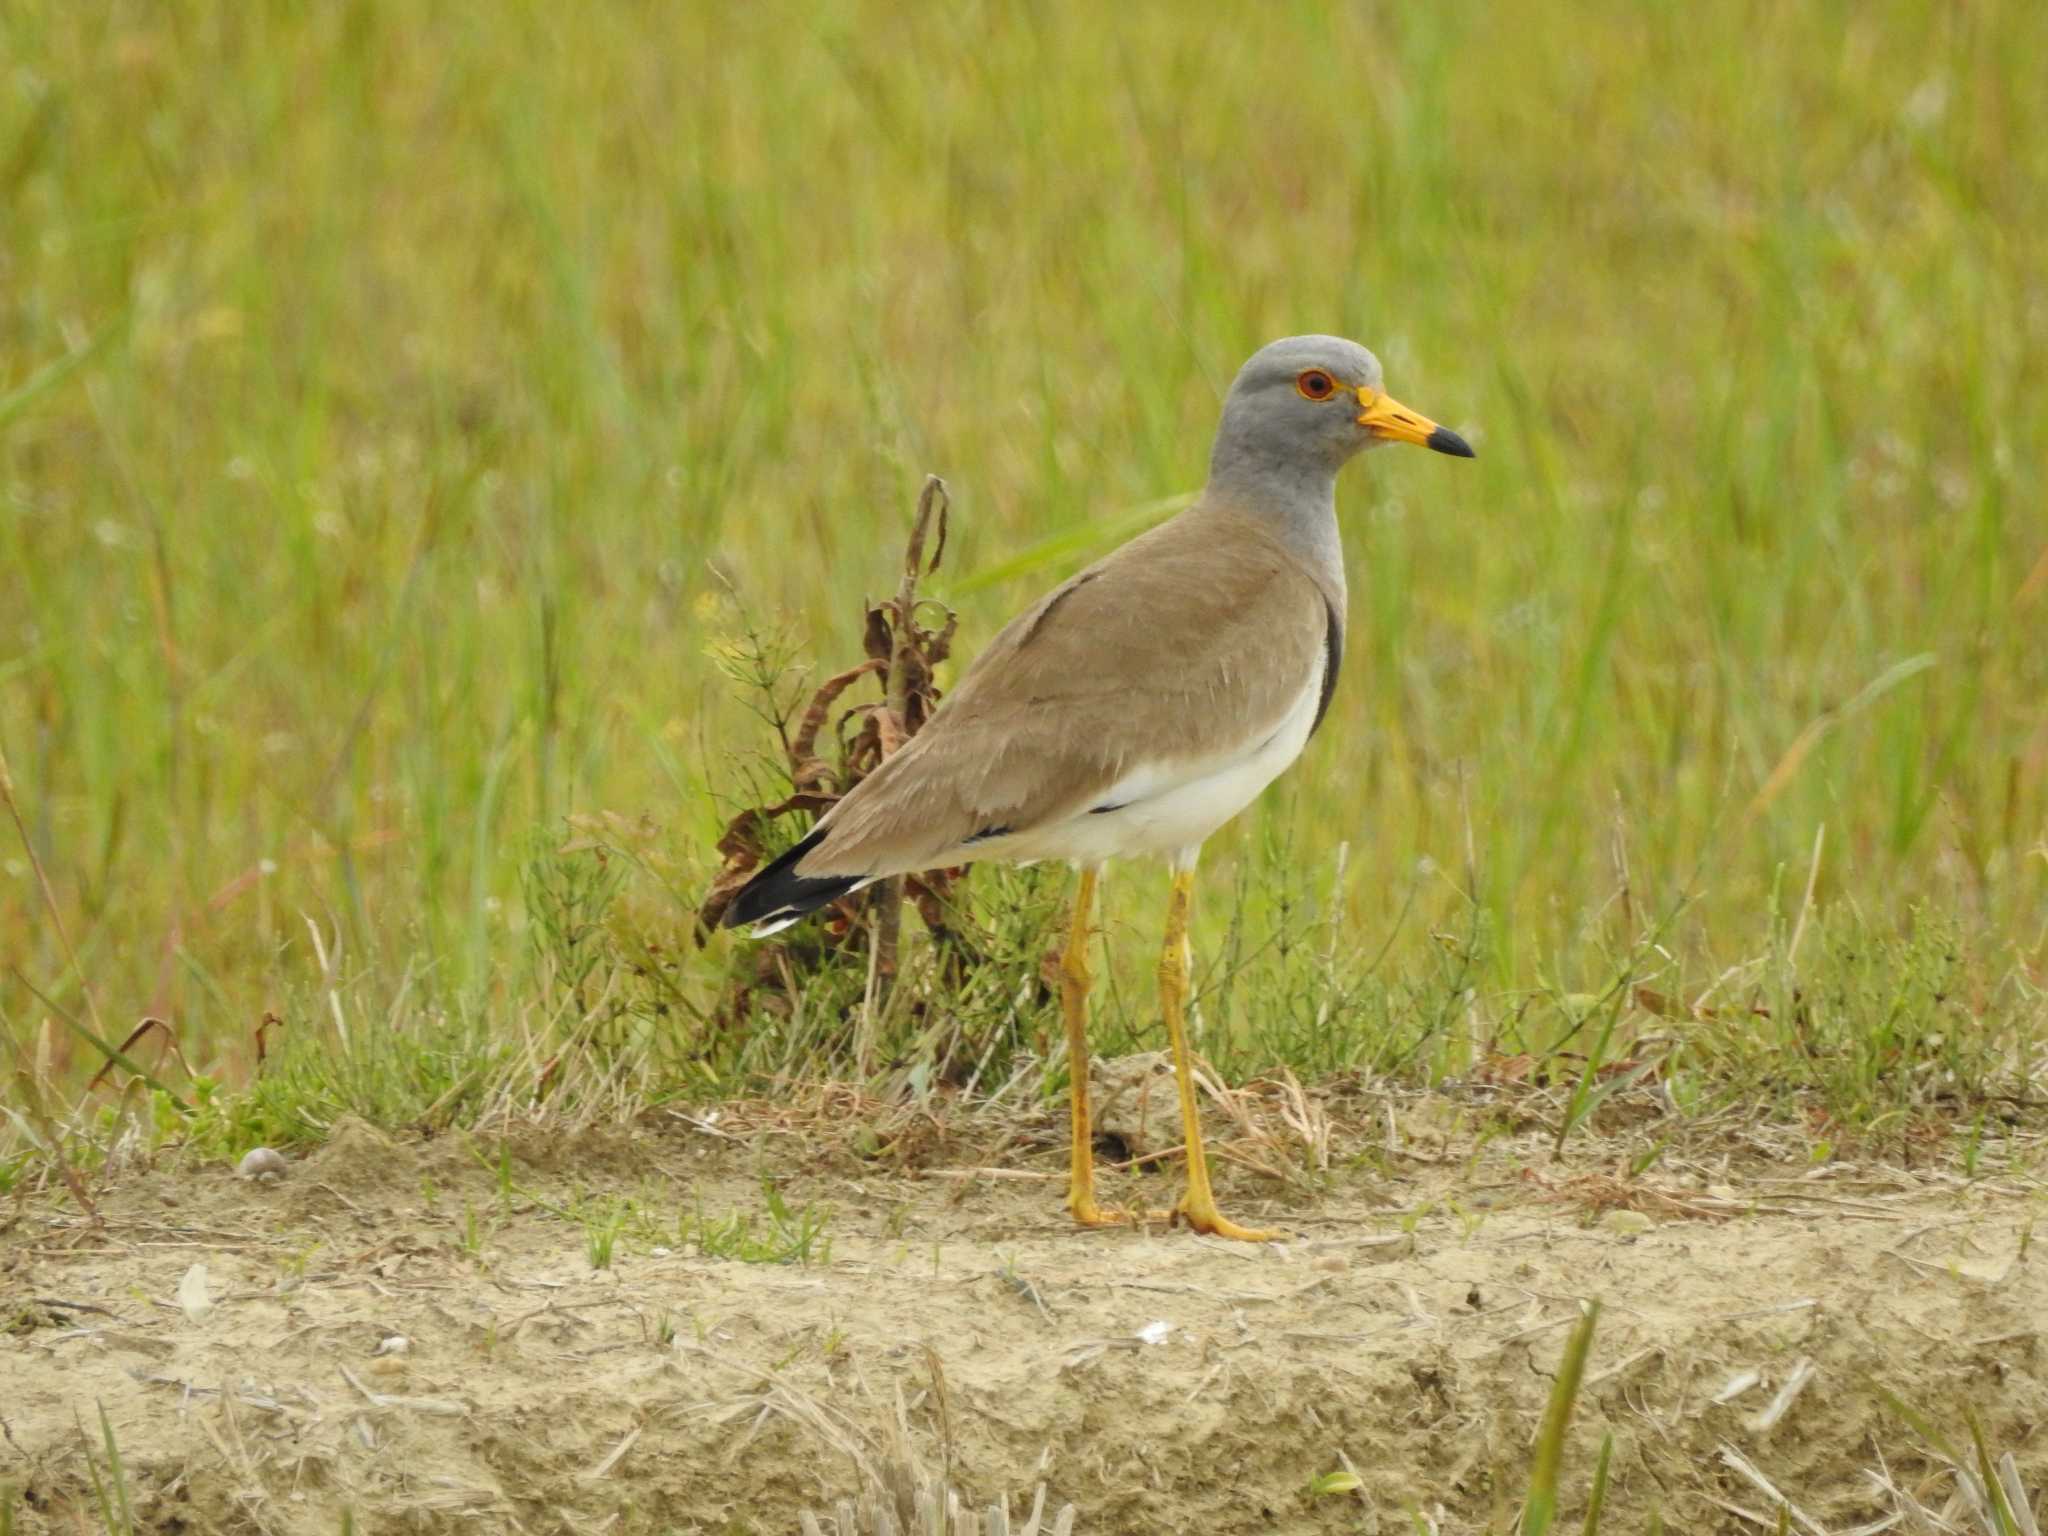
(1185, 644)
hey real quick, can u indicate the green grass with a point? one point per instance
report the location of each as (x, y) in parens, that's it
(389, 404)
(650, 1222)
(1539, 1507)
(109, 1483)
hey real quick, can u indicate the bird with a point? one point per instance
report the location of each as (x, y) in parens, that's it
(1137, 707)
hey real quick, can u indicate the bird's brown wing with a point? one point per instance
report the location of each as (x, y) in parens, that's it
(1189, 642)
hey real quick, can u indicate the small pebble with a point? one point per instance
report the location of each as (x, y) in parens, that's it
(193, 1295)
(397, 1344)
(264, 1164)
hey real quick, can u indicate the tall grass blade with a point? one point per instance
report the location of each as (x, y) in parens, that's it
(117, 1474)
(2002, 1517)
(17, 401)
(1096, 535)
(1598, 1496)
(1539, 1509)
(1919, 1424)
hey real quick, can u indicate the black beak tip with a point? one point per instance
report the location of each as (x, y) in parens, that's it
(1444, 440)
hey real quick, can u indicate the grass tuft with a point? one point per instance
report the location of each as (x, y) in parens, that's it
(356, 536)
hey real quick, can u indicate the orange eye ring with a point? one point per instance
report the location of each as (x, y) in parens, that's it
(1316, 385)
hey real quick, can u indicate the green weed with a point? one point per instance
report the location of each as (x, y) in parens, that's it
(109, 1480)
(785, 1236)
(603, 1221)
(354, 537)
(1539, 1505)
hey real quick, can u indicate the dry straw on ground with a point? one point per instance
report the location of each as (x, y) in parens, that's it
(958, 1343)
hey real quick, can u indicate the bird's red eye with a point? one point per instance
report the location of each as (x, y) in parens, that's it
(1316, 384)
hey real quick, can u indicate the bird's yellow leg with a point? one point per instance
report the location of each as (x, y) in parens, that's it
(1075, 979)
(1198, 1205)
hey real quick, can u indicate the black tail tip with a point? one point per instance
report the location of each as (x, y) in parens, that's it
(778, 895)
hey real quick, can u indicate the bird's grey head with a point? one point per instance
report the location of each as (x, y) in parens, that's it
(1303, 406)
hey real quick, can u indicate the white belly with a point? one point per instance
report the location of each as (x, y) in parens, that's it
(1172, 807)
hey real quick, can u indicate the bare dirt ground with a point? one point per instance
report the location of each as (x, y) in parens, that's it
(1159, 1381)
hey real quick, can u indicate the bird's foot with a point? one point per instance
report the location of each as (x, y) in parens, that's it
(1202, 1216)
(1087, 1213)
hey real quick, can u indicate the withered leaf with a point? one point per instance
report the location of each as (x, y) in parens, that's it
(877, 640)
(804, 744)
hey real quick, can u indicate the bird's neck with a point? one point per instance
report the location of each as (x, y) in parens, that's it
(1296, 503)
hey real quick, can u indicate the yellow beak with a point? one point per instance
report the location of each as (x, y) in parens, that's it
(1384, 416)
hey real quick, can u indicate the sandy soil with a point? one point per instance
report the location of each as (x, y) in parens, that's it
(1159, 1381)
